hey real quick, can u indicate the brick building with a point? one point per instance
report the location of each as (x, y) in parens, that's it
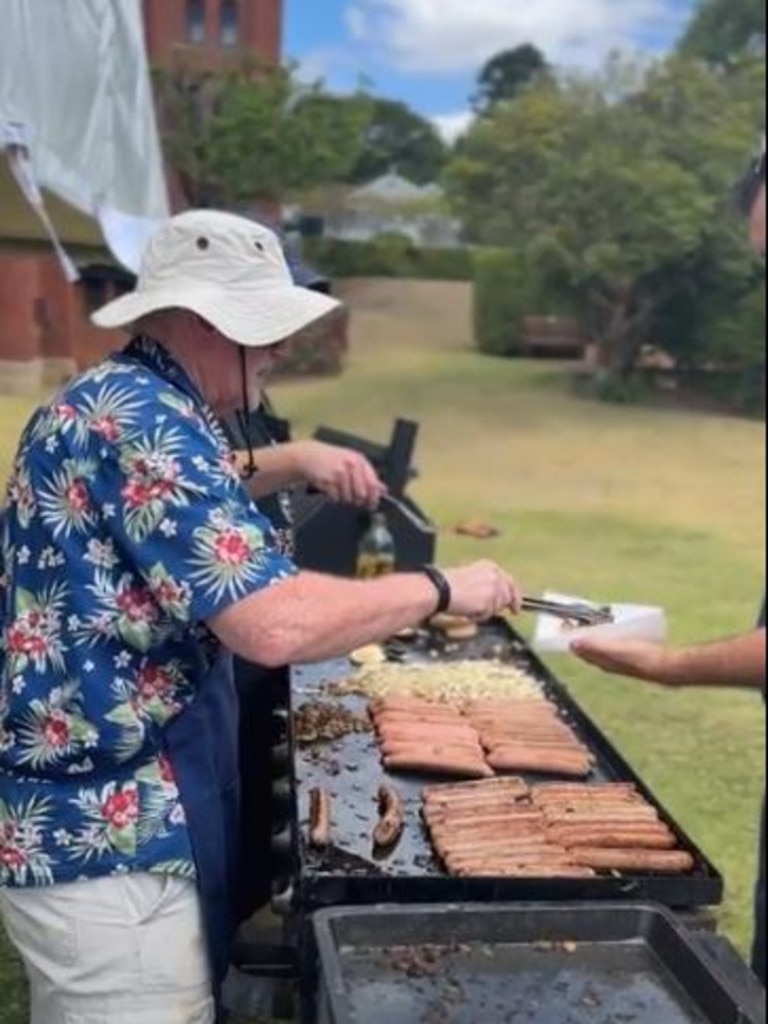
(214, 30)
(44, 330)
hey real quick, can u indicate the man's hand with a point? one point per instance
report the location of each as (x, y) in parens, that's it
(634, 658)
(344, 475)
(482, 590)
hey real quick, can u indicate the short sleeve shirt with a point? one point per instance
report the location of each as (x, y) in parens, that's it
(125, 529)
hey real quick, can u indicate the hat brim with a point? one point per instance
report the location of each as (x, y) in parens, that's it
(253, 319)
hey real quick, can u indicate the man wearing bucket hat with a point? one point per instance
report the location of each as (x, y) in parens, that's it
(134, 561)
(287, 470)
(735, 662)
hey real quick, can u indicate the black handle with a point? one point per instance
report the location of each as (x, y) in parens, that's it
(745, 987)
(400, 456)
(277, 962)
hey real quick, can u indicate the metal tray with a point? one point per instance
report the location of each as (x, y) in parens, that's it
(351, 771)
(524, 964)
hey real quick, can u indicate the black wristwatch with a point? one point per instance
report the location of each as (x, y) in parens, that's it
(441, 585)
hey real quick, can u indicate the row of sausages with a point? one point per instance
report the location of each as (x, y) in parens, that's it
(504, 828)
(528, 736)
(477, 739)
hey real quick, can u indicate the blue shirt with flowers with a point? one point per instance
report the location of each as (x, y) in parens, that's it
(126, 527)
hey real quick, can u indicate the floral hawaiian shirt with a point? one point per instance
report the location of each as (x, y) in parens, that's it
(125, 529)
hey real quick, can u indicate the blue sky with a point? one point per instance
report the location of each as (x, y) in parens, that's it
(427, 52)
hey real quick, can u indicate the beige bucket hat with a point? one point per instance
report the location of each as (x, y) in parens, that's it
(229, 270)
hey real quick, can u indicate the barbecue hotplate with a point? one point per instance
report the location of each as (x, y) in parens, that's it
(538, 964)
(350, 770)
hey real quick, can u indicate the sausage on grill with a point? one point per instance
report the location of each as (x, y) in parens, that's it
(533, 759)
(448, 790)
(319, 818)
(391, 818)
(420, 761)
(670, 862)
(617, 838)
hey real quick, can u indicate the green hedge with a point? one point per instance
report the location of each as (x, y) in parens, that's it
(501, 300)
(388, 256)
(509, 292)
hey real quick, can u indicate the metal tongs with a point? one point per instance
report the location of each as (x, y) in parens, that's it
(310, 502)
(583, 614)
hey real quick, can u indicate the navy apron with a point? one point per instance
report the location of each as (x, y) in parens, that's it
(259, 691)
(201, 745)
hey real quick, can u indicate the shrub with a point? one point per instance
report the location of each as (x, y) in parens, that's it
(391, 255)
(501, 301)
(740, 390)
(521, 310)
(319, 350)
(717, 337)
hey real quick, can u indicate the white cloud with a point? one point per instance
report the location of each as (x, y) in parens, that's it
(330, 62)
(455, 36)
(451, 126)
(314, 66)
(357, 22)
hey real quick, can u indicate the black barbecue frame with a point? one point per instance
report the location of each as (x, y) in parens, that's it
(314, 889)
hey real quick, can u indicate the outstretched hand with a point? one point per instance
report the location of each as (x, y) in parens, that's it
(637, 659)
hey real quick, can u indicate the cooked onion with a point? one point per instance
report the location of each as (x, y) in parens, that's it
(446, 681)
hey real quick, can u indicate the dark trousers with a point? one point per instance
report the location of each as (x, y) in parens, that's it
(758, 950)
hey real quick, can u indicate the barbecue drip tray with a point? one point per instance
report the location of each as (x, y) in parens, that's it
(350, 770)
(524, 964)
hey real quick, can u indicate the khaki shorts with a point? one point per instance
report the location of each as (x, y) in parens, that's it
(125, 950)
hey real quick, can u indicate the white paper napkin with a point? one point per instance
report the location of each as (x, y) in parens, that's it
(630, 622)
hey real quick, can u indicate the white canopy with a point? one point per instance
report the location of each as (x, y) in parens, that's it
(77, 122)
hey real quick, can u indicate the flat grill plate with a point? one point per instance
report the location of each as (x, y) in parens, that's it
(523, 965)
(350, 769)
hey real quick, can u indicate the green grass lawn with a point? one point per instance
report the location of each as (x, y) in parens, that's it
(614, 503)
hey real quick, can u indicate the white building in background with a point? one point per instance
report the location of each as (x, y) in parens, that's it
(393, 205)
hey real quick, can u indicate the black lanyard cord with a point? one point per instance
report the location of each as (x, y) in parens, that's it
(244, 419)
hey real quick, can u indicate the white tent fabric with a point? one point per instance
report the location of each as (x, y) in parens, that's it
(77, 113)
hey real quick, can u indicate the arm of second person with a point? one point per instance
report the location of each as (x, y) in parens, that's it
(736, 662)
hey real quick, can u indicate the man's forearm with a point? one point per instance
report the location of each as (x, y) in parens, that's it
(317, 617)
(737, 662)
(277, 467)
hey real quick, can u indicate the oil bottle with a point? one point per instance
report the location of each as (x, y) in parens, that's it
(376, 553)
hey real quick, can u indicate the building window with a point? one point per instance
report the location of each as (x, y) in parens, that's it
(196, 21)
(229, 25)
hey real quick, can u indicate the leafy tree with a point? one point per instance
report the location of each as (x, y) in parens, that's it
(613, 188)
(252, 133)
(397, 137)
(722, 28)
(506, 75)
